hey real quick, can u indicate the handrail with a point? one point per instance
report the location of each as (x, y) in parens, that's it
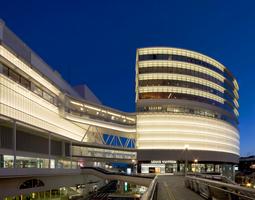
(216, 189)
(151, 192)
(213, 176)
(104, 171)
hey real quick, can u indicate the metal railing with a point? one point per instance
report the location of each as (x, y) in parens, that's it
(217, 189)
(152, 191)
(213, 176)
(106, 172)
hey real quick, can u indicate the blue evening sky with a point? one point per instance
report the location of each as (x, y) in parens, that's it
(95, 42)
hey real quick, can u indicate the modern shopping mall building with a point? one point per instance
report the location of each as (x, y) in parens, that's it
(186, 109)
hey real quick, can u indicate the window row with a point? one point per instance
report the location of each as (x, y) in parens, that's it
(28, 84)
(186, 84)
(169, 95)
(187, 110)
(187, 59)
(98, 116)
(175, 70)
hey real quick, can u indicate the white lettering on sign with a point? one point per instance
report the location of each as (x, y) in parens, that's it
(163, 161)
(168, 161)
(156, 161)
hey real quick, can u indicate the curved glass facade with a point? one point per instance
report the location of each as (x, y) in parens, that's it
(224, 83)
(178, 83)
(186, 59)
(175, 70)
(187, 78)
(166, 95)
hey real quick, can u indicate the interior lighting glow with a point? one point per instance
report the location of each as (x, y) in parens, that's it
(76, 103)
(182, 65)
(236, 84)
(111, 113)
(181, 77)
(181, 90)
(184, 52)
(130, 119)
(112, 126)
(92, 108)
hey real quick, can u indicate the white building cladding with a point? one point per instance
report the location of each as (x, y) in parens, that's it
(42, 116)
(185, 100)
(33, 95)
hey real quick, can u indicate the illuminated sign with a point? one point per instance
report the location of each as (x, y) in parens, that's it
(163, 161)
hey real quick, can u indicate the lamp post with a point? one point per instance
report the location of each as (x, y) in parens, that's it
(195, 161)
(186, 147)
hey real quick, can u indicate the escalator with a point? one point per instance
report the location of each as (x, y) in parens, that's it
(103, 192)
(137, 179)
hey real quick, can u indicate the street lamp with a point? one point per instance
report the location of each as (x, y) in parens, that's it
(186, 147)
(196, 161)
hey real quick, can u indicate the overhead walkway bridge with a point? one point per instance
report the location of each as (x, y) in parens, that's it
(160, 187)
(196, 187)
(26, 180)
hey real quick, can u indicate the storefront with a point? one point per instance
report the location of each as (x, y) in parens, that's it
(7, 161)
(172, 166)
(159, 167)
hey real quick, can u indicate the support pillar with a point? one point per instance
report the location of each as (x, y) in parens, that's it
(49, 149)
(186, 162)
(1, 161)
(63, 149)
(14, 144)
(71, 153)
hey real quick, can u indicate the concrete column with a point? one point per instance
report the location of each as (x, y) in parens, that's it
(1, 161)
(71, 154)
(63, 149)
(186, 162)
(14, 144)
(49, 149)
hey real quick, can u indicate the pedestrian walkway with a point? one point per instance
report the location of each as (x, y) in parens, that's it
(173, 188)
